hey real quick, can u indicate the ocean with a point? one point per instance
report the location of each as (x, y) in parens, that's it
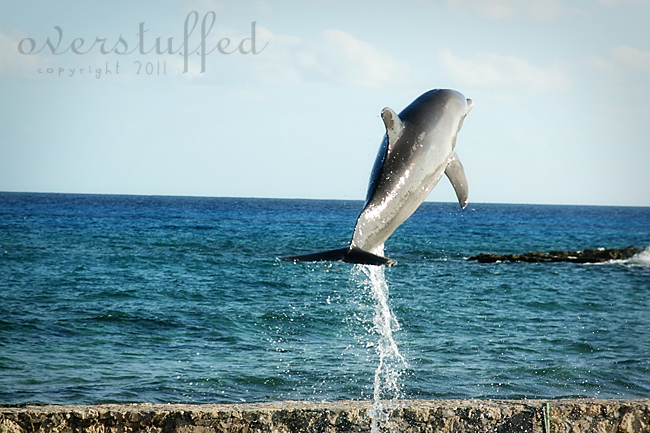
(109, 298)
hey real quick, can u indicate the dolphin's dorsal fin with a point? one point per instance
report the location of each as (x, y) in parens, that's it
(394, 126)
(456, 174)
(470, 105)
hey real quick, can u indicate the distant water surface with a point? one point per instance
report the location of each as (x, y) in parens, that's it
(182, 299)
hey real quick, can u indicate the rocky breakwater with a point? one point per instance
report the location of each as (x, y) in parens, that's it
(584, 256)
(534, 416)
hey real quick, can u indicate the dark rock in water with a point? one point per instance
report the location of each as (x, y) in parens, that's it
(585, 256)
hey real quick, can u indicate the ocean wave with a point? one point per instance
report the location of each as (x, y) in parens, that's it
(123, 299)
(641, 259)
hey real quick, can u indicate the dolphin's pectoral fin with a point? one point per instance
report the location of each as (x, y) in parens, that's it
(394, 126)
(348, 255)
(456, 174)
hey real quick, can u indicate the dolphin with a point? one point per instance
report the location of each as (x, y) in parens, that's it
(419, 146)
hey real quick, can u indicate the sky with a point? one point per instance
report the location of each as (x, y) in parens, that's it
(283, 98)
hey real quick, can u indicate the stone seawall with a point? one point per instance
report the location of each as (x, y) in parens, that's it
(457, 416)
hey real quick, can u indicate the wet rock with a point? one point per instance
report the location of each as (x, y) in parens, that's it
(9, 426)
(408, 416)
(584, 256)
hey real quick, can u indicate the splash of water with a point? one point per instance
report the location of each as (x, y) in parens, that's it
(392, 364)
(641, 259)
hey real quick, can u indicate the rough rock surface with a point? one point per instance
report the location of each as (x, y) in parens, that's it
(457, 416)
(585, 256)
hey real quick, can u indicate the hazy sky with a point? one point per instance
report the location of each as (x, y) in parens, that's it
(561, 92)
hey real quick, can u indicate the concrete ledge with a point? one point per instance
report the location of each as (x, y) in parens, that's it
(457, 416)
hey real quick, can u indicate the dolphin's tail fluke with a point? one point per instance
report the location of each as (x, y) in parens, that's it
(348, 255)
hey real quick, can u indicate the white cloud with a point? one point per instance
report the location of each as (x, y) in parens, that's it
(12, 61)
(359, 63)
(503, 9)
(223, 6)
(338, 57)
(618, 2)
(505, 73)
(283, 59)
(624, 66)
(201, 6)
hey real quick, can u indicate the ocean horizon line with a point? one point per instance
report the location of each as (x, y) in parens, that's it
(475, 203)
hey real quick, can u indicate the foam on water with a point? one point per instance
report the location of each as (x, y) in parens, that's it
(641, 259)
(387, 389)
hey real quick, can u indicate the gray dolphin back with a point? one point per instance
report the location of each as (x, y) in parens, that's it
(418, 147)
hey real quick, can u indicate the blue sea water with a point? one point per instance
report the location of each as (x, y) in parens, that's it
(182, 299)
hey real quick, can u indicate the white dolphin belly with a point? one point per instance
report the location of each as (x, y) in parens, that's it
(419, 146)
(417, 150)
